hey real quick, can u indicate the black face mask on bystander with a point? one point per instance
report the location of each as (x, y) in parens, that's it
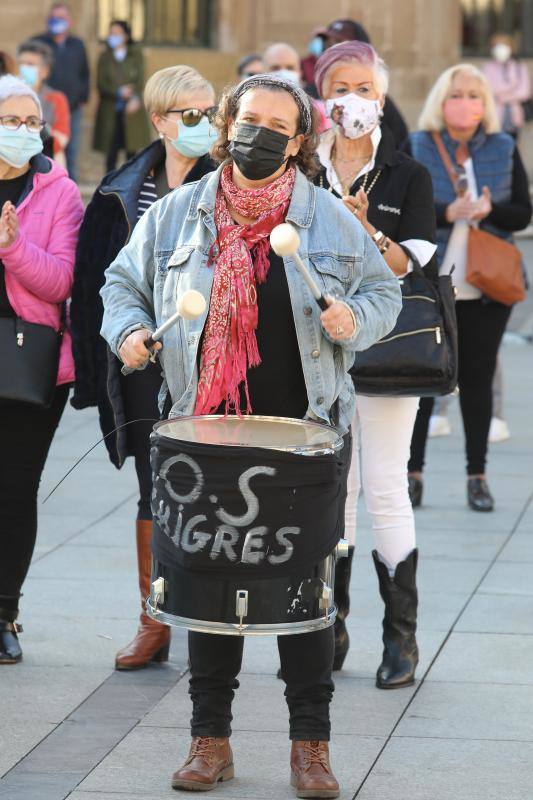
(258, 152)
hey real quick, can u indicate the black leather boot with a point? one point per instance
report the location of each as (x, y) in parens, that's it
(10, 652)
(478, 495)
(400, 652)
(343, 572)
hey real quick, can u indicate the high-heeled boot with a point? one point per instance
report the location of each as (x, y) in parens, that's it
(10, 650)
(399, 593)
(343, 572)
(152, 640)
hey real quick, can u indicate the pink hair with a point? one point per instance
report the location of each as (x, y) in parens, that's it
(346, 52)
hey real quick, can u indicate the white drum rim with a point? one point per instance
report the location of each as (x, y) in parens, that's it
(324, 448)
(246, 629)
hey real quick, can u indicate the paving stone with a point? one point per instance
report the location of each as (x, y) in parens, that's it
(509, 578)
(439, 769)
(434, 575)
(356, 709)
(453, 544)
(114, 565)
(498, 613)
(436, 610)
(485, 658)
(38, 785)
(520, 546)
(16, 740)
(469, 711)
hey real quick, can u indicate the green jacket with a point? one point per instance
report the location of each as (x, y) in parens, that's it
(110, 75)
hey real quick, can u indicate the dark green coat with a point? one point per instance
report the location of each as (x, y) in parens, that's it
(110, 75)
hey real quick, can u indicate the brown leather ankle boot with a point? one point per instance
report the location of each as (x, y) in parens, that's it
(152, 641)
(210, 761)
(311, 773)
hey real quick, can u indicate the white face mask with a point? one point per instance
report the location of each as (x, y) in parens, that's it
(501, 52)
(354, 115)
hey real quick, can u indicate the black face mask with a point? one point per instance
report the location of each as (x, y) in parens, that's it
(257, 151)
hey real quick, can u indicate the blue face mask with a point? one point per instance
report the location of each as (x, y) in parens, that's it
(57, 25)
(17, 147)
(29, 74)
(195, 141)
(317, 46)
(115, 40)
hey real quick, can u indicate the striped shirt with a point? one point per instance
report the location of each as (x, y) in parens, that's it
(147, 196)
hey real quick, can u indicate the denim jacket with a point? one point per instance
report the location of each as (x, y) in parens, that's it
(168, 253)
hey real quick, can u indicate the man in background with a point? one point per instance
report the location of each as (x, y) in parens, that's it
(70, 74)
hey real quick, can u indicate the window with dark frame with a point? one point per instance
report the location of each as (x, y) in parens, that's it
(182, 23)
(482, 18)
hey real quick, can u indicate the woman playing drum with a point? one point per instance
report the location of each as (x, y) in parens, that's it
(264, 347)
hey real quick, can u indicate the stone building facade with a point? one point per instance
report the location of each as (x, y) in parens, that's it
(417, 38)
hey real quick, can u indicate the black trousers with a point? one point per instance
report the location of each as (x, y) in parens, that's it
(306, 666)
(26, 433)
(481, 326)
(139, 395)
(118, 142)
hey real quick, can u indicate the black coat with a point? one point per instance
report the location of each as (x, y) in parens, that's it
(107, 226)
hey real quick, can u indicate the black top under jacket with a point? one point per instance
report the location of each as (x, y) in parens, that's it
(107, 225)
(401, 200)
(276, 386)
(9, 190)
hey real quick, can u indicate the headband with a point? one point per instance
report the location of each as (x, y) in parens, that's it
(301, 98)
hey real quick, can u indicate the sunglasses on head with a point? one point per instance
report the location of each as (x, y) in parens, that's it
(192, 116)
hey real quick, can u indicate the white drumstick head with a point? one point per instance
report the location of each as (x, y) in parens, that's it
(284, 240)
(191, 304)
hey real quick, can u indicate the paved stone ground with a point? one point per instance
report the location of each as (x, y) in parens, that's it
(71, 727)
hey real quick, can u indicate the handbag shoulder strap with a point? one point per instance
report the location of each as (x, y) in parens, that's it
(446, 160)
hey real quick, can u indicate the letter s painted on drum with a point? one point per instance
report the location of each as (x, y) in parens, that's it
(195, 493)
(249, 497)
(281, 538)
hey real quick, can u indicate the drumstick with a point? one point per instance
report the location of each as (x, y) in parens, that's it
(285, 241)
(190, 304)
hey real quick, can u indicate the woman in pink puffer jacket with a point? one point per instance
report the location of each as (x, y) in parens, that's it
(40, 215)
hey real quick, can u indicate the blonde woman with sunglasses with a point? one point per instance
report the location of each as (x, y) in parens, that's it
(180, 103)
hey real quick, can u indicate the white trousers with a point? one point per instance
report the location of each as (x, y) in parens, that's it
(382, 430)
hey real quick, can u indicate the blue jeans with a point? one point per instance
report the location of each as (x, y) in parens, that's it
(74, 143)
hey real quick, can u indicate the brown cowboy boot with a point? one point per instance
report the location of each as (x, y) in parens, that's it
(210, 761)
(311, 773)
(152, 640)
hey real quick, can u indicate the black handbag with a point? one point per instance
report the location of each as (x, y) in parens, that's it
(418, 358)
(29, 360)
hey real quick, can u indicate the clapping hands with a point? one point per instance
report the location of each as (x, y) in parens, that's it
(463, 207)
(9, 224)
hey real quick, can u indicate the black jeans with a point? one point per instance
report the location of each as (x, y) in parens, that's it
(306, 664)
(139, 395)
(481, 326)
(26, 433)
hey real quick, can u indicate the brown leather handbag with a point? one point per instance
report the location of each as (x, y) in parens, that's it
(494, 266)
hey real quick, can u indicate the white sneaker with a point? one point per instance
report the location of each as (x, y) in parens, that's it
(499, 430)
(439, 426)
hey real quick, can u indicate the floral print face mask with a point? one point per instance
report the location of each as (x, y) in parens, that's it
(354, 115)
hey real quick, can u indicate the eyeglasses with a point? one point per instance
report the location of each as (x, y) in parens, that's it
(12, 123)
(192, 116)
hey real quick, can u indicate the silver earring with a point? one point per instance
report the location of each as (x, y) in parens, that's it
(161, 135)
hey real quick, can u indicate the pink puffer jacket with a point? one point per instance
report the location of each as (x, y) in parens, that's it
(39, 264)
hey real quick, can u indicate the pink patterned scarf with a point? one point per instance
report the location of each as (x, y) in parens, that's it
(229, 346)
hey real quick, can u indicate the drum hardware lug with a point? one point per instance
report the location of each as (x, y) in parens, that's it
(157, 593)
(343, 548)
(326, 597)
(241, 605)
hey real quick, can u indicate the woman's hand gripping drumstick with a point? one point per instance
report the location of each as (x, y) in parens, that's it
(141, 345)
(337, 317)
